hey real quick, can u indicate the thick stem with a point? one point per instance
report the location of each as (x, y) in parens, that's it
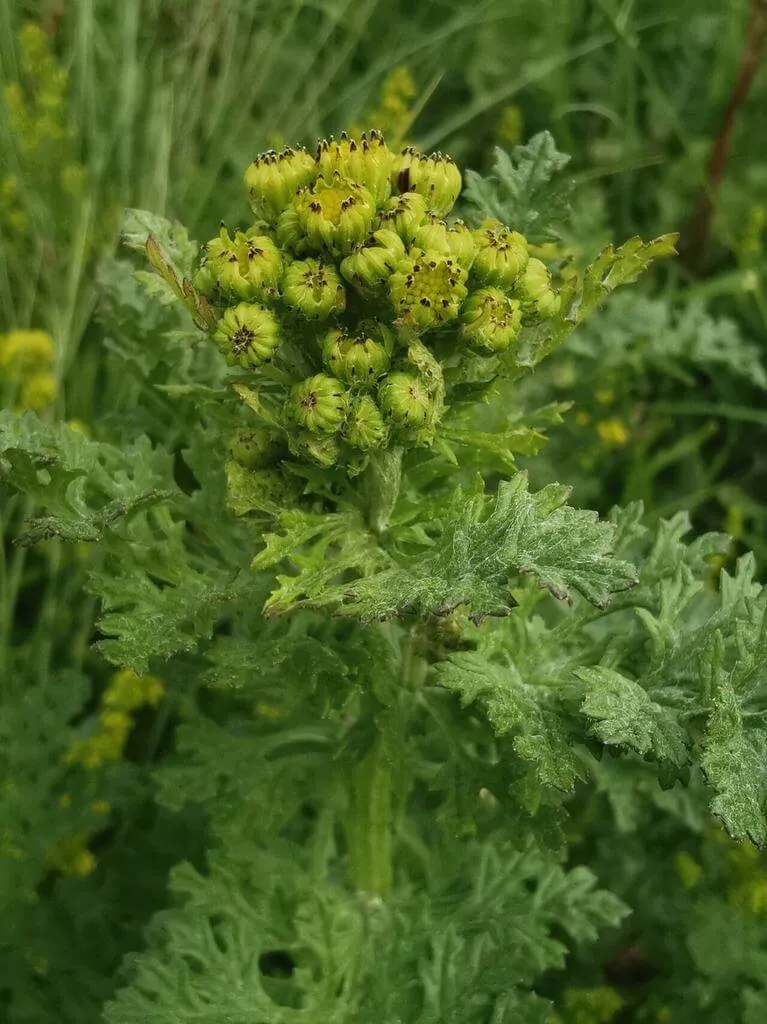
(382, 483)
(369, 824)
(695, 236)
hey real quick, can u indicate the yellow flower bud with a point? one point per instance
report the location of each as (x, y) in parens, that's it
(313, 289)
(491, 320)
(404, 214)
(336, 213)
(427, 289)
(366, 160)
(318, 404)
(435, 177)
(501, 255)
(539, 299)
(368, 266)
(356, 359)
(273, 179)
(434, 235)
(248, 335)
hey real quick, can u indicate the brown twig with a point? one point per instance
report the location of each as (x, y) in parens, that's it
(695, 236)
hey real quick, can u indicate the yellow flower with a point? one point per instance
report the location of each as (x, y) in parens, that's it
(38, 391)
(510, 125)
(605, 395)
(24, 352)
(71, 856)
(582, 418)
(613, 432)
(394, 113)
(688, 870)
(129, 691)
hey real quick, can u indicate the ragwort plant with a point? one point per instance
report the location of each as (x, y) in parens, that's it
(387, 664)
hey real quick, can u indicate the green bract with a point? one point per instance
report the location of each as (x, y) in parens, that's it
(491, 320)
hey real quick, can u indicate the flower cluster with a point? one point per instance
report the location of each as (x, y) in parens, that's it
(354, 287)
(26, 363)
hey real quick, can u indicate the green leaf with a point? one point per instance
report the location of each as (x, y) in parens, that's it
(87, 488)
(624, 714)
(581, 297)
(321, 548)
(487, 542)
(524, 189)
(514, 706)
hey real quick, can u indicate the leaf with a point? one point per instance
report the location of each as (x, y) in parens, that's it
(486, 542)
(87, 488)
(734, 761)
(582, 297)
(321, 548)
(513, 705)
(625, 715)
(524, 189)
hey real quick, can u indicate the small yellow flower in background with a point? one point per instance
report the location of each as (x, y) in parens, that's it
(664, 1015)
(26, 360)
(751, 895)
(65, 801)
(597, 1005)
(126, 692)
(25, 351)
(129, 691)
(71, 856)
(394, 113)
(100, 807)
(268, 710)
(688, 870)
(613, 432)
(510, 125)
(605, 395)
(79, 427)
(582, 418)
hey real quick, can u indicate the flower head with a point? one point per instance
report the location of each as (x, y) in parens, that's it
(369, 265)
(491, 320)
(405, 400)
(456, 240)
(366, 160)
(336, 213)
(435, 177)
(248, 335)
(273, 179)
(355, 358)
(539, 299)
(313, 289)
(427, 288)
(404, 214)
(318, 404)
(365, 427)
(501, 254)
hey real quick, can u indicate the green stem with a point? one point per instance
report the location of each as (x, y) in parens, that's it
(382, 483)
(369, 823)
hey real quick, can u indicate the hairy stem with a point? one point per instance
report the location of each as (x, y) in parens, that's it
(382, 483)
(695, 236)
(369, 825)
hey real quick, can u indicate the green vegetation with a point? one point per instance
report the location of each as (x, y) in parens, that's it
(382, 628)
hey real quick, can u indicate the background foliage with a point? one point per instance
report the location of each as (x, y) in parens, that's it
(155, 830)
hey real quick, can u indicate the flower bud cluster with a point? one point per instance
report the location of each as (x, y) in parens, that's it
(351, 289)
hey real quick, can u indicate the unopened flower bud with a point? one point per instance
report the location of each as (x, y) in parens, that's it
(313, 289)
(262, 263)
(491, 320)
(318, 404)
(289, 233)
(204, 280)
(405, 401)
(368, 266)
(404, 214)
(427, 288)
(337, 213)
(274, 178)
(366, 160)
(365, 427)
(248, 335)
(501, 255)
(540, 301)
(434, 235)
(435, 177)
(253, 448)
(357, 360)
